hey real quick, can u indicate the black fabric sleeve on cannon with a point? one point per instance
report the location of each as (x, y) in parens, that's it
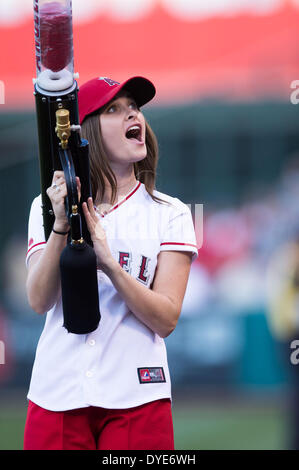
(78, 265)
(79, 287)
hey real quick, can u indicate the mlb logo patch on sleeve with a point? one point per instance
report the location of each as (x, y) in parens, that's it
(151, 375)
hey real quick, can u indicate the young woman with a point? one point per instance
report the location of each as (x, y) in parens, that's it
(111, 389)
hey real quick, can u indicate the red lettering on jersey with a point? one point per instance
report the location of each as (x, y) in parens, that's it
(124, 260)
(30, 242)
(143, 270)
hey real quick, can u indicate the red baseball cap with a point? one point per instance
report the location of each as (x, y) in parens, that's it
(99, 91)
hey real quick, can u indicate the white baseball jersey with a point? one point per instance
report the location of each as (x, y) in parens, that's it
(123, 363)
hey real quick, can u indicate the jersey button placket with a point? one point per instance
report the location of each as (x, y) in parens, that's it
(90, 372)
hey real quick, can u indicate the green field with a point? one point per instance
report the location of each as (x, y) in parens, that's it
(198, 425)
(222, 427)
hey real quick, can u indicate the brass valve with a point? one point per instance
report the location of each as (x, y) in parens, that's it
(63, 126)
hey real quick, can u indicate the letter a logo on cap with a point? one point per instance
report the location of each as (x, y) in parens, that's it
(109, 81)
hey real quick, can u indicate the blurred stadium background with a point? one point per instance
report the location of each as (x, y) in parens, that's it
(228, 130)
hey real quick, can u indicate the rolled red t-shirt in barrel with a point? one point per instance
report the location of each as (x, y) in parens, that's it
(56, 36)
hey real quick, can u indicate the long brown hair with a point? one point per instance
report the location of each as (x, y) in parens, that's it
(145, 170)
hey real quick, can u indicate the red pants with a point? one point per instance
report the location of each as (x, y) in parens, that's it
(145, 427)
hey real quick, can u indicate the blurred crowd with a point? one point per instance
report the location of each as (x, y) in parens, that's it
(240, 244)
(249, 262)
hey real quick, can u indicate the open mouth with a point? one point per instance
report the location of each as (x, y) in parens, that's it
(134, 133)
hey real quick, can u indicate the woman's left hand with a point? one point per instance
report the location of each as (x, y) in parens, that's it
(98, 236)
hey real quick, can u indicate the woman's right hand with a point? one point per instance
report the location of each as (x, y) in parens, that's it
(57, 193)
